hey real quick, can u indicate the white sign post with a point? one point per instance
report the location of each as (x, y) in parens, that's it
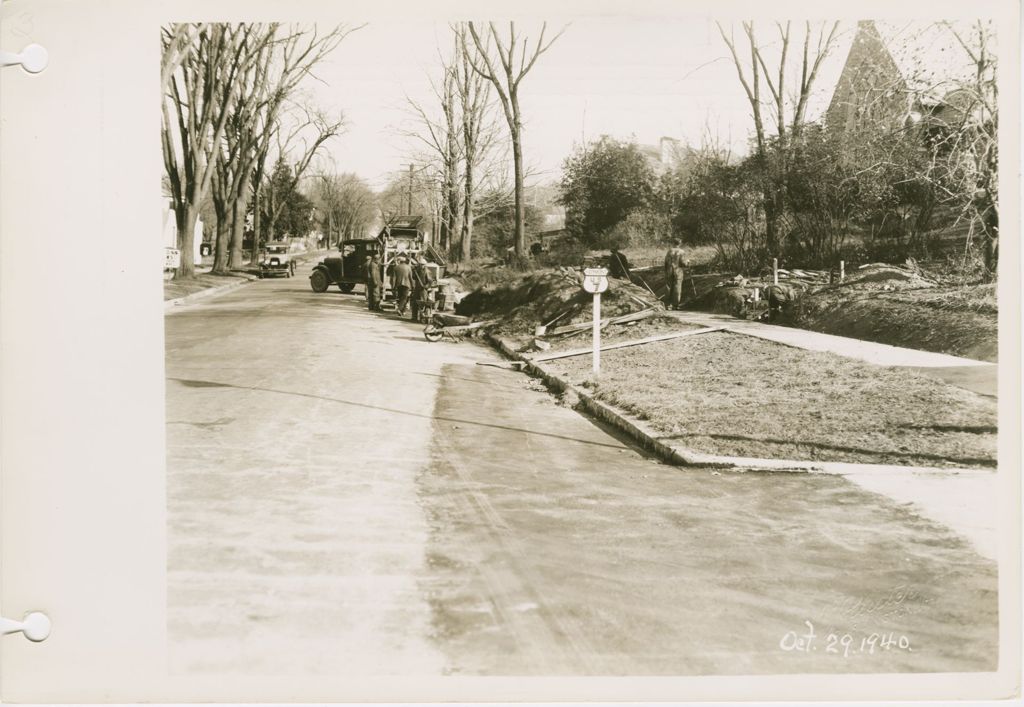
(595, 281)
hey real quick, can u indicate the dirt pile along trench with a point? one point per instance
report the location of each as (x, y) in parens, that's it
(889, 304)
(552, 297)
(901, 307)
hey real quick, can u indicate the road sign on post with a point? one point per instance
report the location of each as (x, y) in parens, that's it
(172, 258)
(595, 281)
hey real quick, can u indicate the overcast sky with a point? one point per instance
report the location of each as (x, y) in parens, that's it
(643, 77)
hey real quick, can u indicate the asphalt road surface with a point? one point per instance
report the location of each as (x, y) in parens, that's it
(346, 498)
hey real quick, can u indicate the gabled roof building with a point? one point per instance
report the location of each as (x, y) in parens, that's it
(897, 75)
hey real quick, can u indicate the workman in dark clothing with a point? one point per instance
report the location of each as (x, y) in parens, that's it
(675, 273)
(368, 268)
(618, 265)
(374, 283)
(401, 282)
(421, 282)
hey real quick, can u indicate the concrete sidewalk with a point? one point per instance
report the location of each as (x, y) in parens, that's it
(978, 376)
(960, 499)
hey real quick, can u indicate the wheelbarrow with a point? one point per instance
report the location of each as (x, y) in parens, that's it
(452, 326)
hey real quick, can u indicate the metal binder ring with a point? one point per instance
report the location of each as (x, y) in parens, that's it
(35, 626)
(32, 58)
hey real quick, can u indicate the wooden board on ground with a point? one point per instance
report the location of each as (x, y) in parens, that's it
(584, 326)
(624, 344)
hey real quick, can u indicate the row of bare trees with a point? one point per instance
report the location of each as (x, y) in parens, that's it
(231, 111)
(460, 132)
(787, 109)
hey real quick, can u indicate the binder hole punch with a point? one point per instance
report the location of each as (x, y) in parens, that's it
(32, 58)
(35, 626)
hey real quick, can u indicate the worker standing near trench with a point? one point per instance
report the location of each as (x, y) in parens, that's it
(401, 281)
(421, 283)
(618, 265)
(374, 283)
(675, 272)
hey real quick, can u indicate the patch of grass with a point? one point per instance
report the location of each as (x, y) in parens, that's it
(725, 393)
(176, 288)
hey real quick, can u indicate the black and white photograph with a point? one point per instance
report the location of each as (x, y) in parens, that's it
(595, 348)
(544, 344)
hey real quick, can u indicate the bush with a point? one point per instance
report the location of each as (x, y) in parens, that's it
(602, 184)
(566, 252)
(639, 229)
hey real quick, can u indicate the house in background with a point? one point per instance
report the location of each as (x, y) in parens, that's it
(896, 76)
(664, 156)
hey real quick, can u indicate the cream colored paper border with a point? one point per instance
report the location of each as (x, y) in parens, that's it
(81, 366)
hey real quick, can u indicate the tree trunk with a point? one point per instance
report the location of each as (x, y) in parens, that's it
(237, 233)
(256, 227)
(442, 217)
(452, 215)
(467, 215)
(220, 252)
(771, 226)
(223, 212)
(517, 157)
(185, 218)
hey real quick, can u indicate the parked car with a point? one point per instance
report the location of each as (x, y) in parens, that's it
(276, 259)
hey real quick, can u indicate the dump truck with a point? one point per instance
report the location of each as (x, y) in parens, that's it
(348, 268)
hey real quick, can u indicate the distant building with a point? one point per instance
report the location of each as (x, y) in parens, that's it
(895, 76)
(664, 156)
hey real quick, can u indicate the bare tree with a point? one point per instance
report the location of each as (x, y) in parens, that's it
(789, 108)
(346, 204)
(237, 156)
(515, 60)
(439, 134)
(967, 150)
(302, 139)
(177, 43)
(478, 132)
(296, 53)
(202, 90)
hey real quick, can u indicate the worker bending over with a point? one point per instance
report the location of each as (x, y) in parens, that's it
(401, 282)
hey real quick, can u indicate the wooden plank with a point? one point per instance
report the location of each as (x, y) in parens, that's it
(624, 344)
(586, 326)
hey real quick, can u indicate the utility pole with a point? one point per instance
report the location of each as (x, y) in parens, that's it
(409, 209)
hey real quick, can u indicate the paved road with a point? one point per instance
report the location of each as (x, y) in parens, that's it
(345, 498)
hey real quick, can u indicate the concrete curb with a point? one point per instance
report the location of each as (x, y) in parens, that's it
(649, 439)
(170, 304)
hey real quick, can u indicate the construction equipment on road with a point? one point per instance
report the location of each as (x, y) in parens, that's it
(396, 239)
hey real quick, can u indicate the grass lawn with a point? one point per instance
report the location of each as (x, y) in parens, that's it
(182, 288)
(725, 393)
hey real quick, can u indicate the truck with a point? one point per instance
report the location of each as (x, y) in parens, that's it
(348, 268)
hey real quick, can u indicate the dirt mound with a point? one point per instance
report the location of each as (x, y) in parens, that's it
(903, 306)
(880, 276)
(901, 320)
(541, 297)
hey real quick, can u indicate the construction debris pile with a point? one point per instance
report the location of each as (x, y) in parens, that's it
(552, 304)
(759, 297)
